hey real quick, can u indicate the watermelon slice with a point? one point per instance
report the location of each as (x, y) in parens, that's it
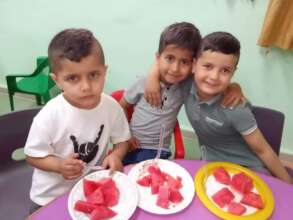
(163, 197)
(84, 206)
(102, 212)
(236, 208)
(252, 199)
(223, 197)
(97, 197)
(166, 186)
(173, 183)
(145, 181)
(222, 176)
(110, 191)
(242, 183)
(175, 196)
(89, 186)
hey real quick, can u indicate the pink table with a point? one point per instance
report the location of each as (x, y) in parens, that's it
(283, 194)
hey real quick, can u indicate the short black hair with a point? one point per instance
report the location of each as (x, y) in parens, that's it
(220, 41)
(73, 44)
(184, 35)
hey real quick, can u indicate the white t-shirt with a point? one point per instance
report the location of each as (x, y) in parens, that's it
(60, 127)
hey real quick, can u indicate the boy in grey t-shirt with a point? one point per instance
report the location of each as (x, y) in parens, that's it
(178, 43)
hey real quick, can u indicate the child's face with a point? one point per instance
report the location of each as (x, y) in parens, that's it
(213, 72)
(174, 64)
(82, 82)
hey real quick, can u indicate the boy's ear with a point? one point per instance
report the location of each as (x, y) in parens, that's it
(54, 78)
(157, 56)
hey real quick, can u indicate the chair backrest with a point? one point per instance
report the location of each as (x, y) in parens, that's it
(117, 95)
(271, 123)
(179, 146)
(14, 127)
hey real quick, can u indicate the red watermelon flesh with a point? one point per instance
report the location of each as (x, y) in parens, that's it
(84, 206)
(102, 212)
(154, 170)
(145, 181)
(175, 196)
(97, 197)
(163, 196)
(89, 186)
(236, 208)
(223, 197)
(242, 183)
(222, 176)
(252, 199)
(156, 181)
(166, 186)
(110, 191)
(172, 182)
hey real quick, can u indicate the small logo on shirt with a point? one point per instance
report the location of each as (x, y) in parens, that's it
(214, 122)
(87, 151)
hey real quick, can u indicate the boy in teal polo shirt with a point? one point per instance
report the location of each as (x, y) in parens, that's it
(225, 134)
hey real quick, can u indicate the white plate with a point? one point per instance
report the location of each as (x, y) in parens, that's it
(147, 201)
(128, 198)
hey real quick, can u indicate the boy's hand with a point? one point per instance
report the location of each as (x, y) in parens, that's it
(113, 162)
(152, 90)
(71, 167)
(133, 143)
(233, 96)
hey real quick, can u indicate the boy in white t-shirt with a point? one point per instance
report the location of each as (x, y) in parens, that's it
(73, 129)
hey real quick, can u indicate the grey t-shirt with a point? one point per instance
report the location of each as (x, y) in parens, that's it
(220, 129)
(146, 120)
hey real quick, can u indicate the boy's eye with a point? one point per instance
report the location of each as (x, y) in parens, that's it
(71, 78)
(94, 75)
(185, 62)
(226, 70)
(207, 66)
(169, 58)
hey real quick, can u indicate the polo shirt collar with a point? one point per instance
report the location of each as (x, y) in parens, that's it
(193, 92)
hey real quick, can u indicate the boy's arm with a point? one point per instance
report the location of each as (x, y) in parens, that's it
(259, 145)
(233, 96)
(69, 168)
(133, 142)
(114, 160)
(152, 87)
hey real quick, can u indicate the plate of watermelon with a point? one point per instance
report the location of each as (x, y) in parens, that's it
(164, 187)
(100, 196)
(233, 192)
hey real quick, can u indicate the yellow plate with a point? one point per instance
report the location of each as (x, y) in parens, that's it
(261, 187)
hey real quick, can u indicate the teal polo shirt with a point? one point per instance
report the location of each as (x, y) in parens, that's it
(220, 130)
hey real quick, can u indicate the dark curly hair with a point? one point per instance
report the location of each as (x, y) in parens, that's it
(184, 35)
(72, 44)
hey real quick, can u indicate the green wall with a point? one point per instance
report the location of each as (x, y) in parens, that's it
(129, 31)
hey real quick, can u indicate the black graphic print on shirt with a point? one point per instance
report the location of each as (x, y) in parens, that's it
(87, 151)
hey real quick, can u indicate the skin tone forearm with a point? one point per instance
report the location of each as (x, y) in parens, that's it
(264, 151)
(69, 168)
(232, 95)
(114, 160)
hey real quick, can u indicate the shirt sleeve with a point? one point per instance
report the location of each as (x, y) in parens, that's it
(242, 119)
(38, 143)
(120, 128)
(135, 91)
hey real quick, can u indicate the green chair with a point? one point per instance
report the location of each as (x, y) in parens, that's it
(38, 83)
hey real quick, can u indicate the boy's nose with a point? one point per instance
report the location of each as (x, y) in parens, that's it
(85, 85)
(214, 74)
(175, 67)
